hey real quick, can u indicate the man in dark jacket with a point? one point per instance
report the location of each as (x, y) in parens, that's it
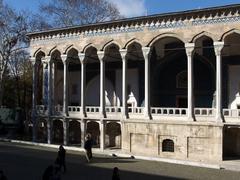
(61, 158)
(88, 147)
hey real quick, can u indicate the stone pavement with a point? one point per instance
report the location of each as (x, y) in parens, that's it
(22, 161)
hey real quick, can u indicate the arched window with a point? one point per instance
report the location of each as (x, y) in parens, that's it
(167, 145)
(181, 79)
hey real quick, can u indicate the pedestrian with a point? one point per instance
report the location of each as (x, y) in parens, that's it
(88, 147)
(2, 176)
(61, 158)
(115, 175)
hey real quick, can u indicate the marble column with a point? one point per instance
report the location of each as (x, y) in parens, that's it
(102, 134)
(123, 53)
(34, 94)
(102, 84)
(146, 51)
(65, 84)
(83, 131)
(218, 46)
(49, 130)
(189, 51)
(48, 60)
(83, 83)
(65, 131)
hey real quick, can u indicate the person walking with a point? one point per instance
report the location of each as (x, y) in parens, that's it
(115, 175)
(88, 147)
(61, 158)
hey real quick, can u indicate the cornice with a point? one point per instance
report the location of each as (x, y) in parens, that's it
(225, 14)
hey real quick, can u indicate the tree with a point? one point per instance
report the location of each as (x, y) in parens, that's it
(13, 28)
(79, 12)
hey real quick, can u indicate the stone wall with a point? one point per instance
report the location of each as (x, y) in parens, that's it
(192, 141)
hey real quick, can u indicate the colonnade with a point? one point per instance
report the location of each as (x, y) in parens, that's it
(189, 47)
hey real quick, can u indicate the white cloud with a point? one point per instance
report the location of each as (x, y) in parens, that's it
(130, 8)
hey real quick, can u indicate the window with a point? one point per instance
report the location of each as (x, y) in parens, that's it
(167, 145)
(181, 79)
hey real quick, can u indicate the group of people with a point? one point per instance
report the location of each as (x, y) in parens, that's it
(53, 172)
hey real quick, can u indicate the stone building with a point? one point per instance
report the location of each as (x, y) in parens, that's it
(163, 85)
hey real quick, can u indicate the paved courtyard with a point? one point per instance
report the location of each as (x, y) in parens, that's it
(28, 163)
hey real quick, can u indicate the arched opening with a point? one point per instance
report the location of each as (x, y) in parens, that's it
(94, 130)
(230, 71)
(92, 71)
(167, 145)
(40, 78)
(74, 78)
(113, 64)
(57, 80)
(42, 131)
(135, 76)
(57, 127)
(74, 133)
(204, 73)
(168, 59)
(113, 135)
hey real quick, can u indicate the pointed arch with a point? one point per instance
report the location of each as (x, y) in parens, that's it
(204, 33)
(54, 49)
(69, 48)
(237, 31)
(164, 35)
(39, 52)
(109, 43)
(90, 45)
(134, 40)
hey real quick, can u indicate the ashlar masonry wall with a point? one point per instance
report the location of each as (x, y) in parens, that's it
(192, 141)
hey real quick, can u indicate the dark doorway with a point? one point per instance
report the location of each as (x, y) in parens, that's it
(231, 142)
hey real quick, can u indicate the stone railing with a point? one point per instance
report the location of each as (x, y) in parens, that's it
(92, 109)
(201, 114)
(74, 109)
(136, 110)
(169, 111)
(233, 113)
(204, 112)
(112, 109)
(58, 108)
(41, 109)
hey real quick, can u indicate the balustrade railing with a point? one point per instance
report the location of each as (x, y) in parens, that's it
(112, 109)
(169, 111)
(41, 109)
(204, 111)
(198, 112)
(136, 110)
(92, 109)
(234, 113)
(74, 109)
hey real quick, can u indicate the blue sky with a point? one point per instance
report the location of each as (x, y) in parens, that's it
(130, 8)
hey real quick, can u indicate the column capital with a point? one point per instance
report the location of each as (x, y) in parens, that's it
(189, 48)
(64, 58)
(44, 63)
(218, 46)
(123, 53)
(146, 50)
(100, 55)
(81, 57)
(33, 60)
